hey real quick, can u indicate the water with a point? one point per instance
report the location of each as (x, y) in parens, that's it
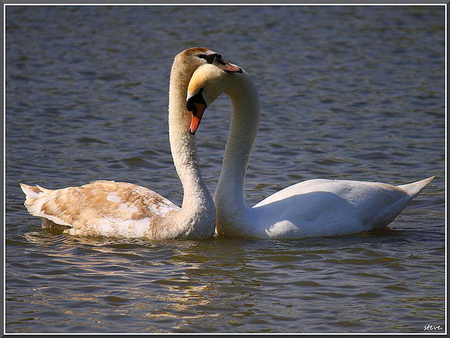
(347, 92)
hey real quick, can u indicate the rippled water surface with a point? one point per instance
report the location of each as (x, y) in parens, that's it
(347, 92)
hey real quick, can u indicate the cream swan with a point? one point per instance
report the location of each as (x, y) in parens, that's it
(116, 209)
(318, 207)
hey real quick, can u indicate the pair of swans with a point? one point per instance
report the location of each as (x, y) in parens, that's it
(312, 208)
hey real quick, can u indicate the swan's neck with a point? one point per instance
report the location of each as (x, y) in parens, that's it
(197, 206)
(229, 196)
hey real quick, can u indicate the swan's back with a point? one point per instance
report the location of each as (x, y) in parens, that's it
(100, 208)
(333, 207)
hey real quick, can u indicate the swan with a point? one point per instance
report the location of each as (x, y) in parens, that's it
(318, 207)
(118, 209)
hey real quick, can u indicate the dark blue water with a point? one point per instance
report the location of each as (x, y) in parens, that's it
(347, 92)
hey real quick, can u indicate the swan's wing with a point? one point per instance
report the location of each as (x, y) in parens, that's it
(104, 208)
(332, 207)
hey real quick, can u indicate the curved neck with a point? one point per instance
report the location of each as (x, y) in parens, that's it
(229, 195)
(196, 198)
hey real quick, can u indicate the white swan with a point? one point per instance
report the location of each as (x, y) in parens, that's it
(313, 208)
(108, 208)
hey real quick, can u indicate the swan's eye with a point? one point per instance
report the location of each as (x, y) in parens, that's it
(210, 57)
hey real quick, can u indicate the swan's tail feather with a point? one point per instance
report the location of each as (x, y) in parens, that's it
(35, 197)
(30, 191)
(413, 189)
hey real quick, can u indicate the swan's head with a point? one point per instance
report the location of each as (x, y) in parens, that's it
(190, 59)
(205, 86)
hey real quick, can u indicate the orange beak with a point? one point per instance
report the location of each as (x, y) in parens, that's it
(226, 66)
